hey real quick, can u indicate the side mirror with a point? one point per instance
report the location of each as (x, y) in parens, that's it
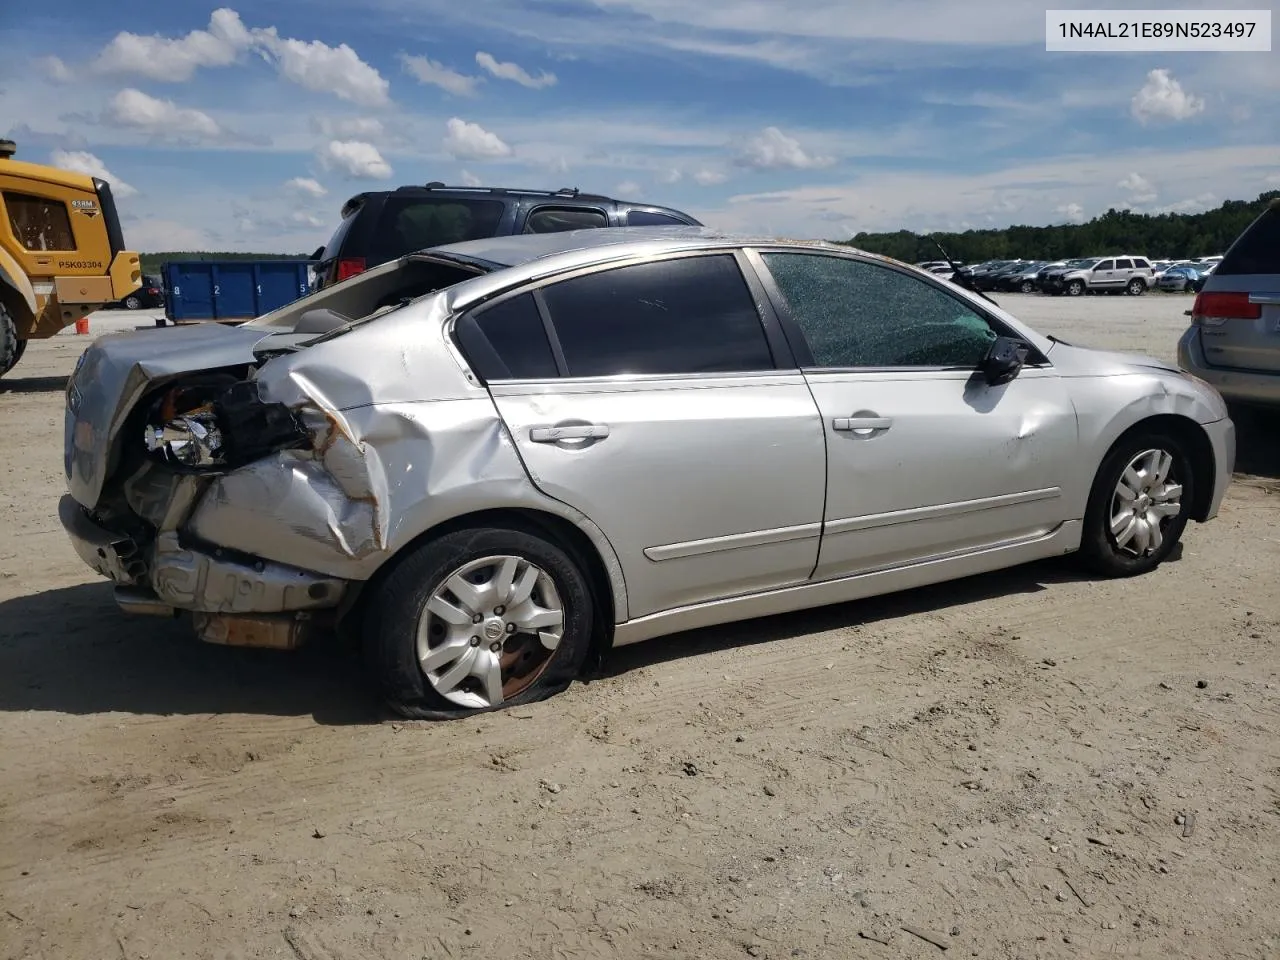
(1003, 360)
(319, 254)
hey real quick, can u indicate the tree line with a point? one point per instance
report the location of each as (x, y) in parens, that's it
(1176, 236)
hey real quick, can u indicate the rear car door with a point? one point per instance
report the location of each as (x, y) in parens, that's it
(1238, 309)
(661, 402)
(925, 459)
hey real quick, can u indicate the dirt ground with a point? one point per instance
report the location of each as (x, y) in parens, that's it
(1021, 765)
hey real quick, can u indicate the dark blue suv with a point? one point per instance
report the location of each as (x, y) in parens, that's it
(387, 224)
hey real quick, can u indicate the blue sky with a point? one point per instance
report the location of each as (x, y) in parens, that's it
(245, 127)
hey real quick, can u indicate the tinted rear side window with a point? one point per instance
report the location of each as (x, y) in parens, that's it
(334, 247)
(647, 218)
(1257, 250)
(408, 224)
(508, 341)
(691, 315)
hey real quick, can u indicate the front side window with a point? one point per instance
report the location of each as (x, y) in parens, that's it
(647, 218)
(683, 316)
(858, 314)
(39, 223)
(560, 219)
(408, 224)
(1106, 265)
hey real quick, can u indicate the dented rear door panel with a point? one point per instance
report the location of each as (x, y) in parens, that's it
(953, 465)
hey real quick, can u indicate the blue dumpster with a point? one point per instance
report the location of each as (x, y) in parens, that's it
(231, 290)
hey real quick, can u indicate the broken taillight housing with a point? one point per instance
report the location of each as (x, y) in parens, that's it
(221, 424)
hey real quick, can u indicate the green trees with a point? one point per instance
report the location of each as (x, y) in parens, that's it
(1166, 235)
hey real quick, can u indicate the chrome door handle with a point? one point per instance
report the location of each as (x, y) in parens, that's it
(588, 431)
(862, 425)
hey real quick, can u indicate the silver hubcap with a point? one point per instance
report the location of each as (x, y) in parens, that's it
(489, 630)
(1146, 498)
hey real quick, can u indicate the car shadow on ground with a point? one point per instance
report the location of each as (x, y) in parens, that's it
(71, 650)
(12, 384)
(1257, 442)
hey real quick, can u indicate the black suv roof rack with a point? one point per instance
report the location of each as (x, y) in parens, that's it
(572, 192)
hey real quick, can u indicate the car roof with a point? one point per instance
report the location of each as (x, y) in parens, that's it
(612, 242)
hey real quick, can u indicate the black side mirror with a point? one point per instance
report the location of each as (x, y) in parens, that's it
(319, 254)
(1003, 360)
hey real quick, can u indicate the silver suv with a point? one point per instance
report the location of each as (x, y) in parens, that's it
(492, 460)
(1128, 274)
(1234, 338)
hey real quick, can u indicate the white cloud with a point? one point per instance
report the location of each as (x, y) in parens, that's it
(771, 149)
(355, 159)
(317, 66)
(158, 58)
(559, 165)
(307, 186)
(470, 141)
(55, 69)
(1197, 204)
(160, 118)
(1274, 178)
(515, 72)
(469, 179)
(348, 128)
(708, 178)
(629, 189)
(1162, 98)
(1139, 188)
(81, 161)
(304, 219)
(152, 235)
(1072, 212)
(434, 74)
(670, 176)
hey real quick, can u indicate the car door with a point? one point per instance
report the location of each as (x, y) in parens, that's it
(1103, 275)
(665, 408)
(924, 458)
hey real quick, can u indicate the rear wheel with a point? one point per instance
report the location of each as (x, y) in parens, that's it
(1075, 288)
(11, 348)
(1139, 505)
(478, 620)
(1136, 287)
(132, 302)
(1027, 286)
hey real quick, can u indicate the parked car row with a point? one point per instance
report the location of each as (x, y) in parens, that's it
(1130, 274)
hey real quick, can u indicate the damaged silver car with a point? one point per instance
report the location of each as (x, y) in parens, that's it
(489, 461)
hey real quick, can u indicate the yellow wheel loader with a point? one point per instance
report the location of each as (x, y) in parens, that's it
(62, 252)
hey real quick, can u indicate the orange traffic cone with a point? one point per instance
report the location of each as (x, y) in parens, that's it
(82, 325)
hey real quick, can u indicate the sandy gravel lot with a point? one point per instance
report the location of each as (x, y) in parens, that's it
(1020, 765)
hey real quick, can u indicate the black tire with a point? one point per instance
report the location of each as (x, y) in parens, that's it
(398, 602)
(11, 348)
(1075, 288)
(1027, 286)
(1098, 549)
(132, 302)
(1136, 287)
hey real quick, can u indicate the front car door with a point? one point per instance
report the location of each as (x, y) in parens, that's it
(657, 399)
(925, 460)
(1103, 275)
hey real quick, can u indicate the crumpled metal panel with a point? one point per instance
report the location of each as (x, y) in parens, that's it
(403, 441)
(194, 580)
(115, 371)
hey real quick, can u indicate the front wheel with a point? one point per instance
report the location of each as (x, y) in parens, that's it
(1027, 286)
(11, 348)
(1075, 288)
(1136, 288)
(1138, 507)
(478, 620)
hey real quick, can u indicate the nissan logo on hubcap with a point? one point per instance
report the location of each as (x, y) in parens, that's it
(494, 628)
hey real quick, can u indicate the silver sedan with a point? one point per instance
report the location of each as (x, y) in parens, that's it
(490, 461)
